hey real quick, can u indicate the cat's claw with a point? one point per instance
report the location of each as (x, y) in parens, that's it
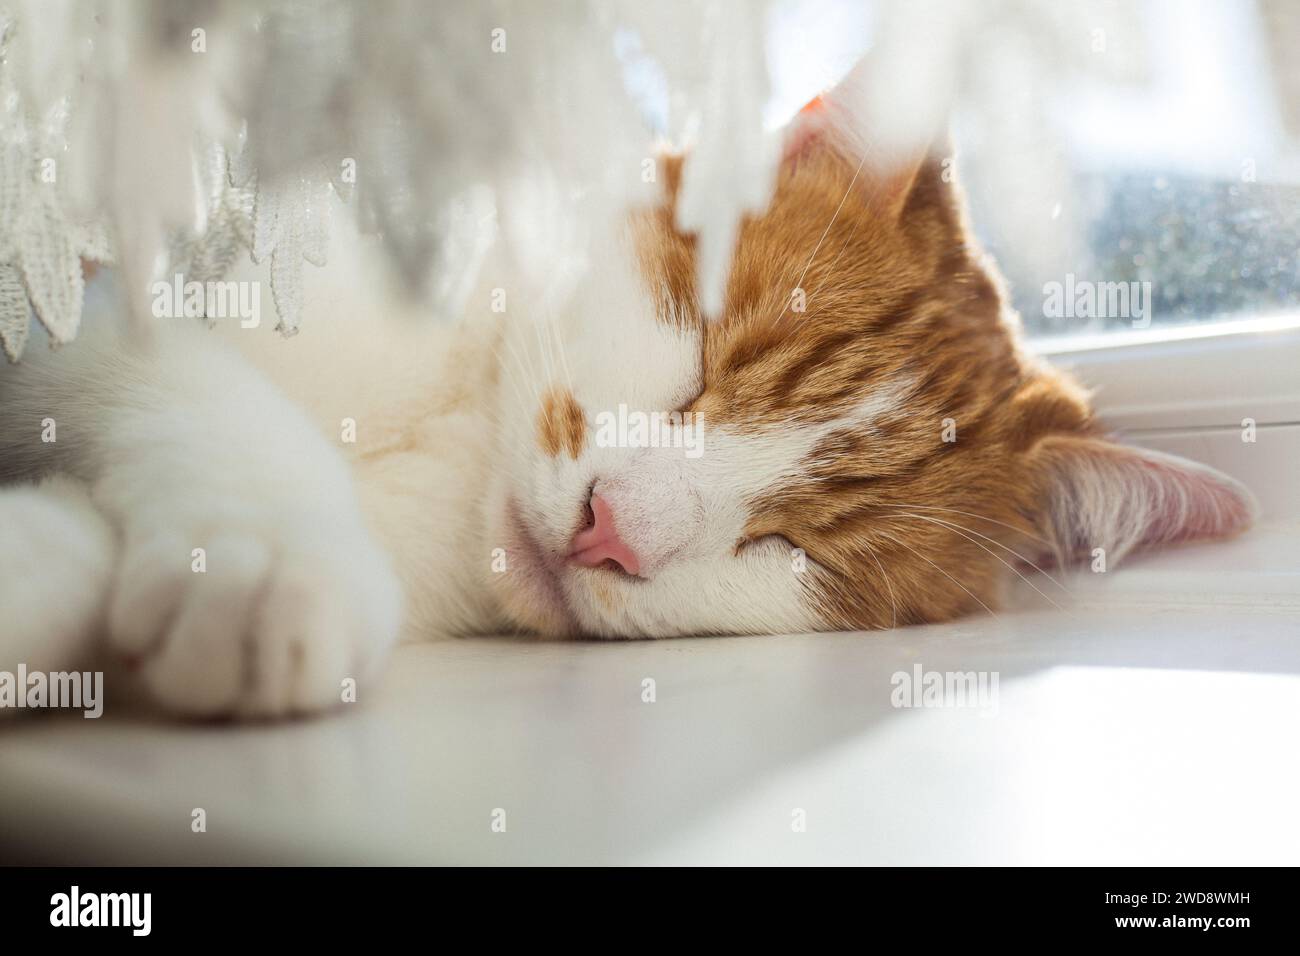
(253, 623)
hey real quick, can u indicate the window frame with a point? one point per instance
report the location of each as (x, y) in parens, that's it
(1189, 391)
(1212, 375)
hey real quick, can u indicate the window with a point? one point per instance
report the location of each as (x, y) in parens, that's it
(1131, 166)
(1177, 166)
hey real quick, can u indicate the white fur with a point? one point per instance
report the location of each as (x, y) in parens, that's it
(312, 541)
(185, 447)
(56, 566)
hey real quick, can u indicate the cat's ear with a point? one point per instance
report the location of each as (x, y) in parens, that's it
(1100, 494)
(886, 168)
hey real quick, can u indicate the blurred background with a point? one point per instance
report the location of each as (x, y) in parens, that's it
(1140, 141)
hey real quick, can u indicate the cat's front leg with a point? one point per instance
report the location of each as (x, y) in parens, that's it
(248, 583)
(56, 563)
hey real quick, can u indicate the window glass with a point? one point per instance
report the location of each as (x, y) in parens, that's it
(1129, 165)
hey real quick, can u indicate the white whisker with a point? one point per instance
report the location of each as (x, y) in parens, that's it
(564, 360)
(826, 231)
(970, 514)
(904, 544)
(532, 377)
(892, 600)
(1009, 550)
(509, 373)
(544, 351)
(957, 530)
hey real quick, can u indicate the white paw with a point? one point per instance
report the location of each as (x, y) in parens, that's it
(56, 555)
(275, 617)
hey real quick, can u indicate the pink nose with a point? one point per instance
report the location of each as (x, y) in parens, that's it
(599, 541)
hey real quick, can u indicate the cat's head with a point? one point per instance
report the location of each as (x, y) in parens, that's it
(861, 441)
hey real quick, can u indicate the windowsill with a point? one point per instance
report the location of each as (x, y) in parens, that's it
(1223, 393)
(1259, 569)
(1211, 375)
(1125, 338)
(1096, 751)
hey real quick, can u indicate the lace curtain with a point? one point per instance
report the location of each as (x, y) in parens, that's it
(173, 136)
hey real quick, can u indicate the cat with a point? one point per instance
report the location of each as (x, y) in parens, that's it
(887, 454)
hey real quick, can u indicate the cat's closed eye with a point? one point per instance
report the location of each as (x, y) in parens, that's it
(745, 544)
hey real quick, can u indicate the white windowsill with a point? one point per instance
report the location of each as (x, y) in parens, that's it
(1091, 342)
(1224, 393)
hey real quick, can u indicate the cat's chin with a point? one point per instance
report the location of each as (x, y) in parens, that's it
(531, 591)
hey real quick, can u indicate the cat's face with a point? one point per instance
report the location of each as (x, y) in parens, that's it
(860, 442)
